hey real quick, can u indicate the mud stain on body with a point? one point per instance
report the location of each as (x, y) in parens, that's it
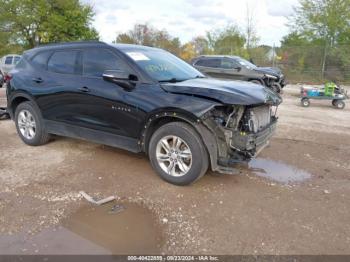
(277, 171)
(131, 229)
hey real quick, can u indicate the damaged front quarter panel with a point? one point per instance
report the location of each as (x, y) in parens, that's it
(240, 123)
(239, 133)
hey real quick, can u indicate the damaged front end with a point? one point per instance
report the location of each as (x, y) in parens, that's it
(241, 132)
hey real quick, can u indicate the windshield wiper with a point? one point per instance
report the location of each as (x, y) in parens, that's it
(172, 80)
(175, 80)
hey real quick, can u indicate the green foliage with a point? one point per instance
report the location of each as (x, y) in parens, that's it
(144, 34)
(228, 41)
(319, 42)
(322, 19)
(201, 46)
(33, 22)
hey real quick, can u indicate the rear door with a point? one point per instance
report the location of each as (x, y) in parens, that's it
(209, 66)
(57, 85)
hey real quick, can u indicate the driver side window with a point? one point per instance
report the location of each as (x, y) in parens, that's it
(96, 61)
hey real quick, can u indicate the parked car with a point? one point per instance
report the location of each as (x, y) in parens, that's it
(237, 68)
(141, 99)
(7, 63)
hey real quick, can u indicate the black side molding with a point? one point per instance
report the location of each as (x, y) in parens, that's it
(63, 129)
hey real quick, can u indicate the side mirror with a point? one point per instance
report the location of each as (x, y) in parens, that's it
(238, 68)
(121, 78)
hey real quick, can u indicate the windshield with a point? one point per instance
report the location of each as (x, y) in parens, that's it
(246, 63)
(163, 66)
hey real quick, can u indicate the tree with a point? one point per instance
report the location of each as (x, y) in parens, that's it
(227, 41)
(34, 22)
(324, 20)
(188, 51)
(144, 34)
(251, 36)
(200, 45)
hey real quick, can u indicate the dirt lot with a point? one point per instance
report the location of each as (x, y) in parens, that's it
(220, 214)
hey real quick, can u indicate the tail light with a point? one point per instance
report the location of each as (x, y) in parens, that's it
(7, 78)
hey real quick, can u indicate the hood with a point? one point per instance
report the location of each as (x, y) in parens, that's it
(269, 70)
(226, 92)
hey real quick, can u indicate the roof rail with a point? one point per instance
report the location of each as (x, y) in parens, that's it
(73, 43)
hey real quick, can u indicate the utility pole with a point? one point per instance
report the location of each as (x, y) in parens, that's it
(273, 55)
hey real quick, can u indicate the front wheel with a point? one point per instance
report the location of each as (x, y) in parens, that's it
(339, 104)
(305, 102)
(177, 154)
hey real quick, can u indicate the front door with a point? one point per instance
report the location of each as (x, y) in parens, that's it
(104, 103)
(230, 69)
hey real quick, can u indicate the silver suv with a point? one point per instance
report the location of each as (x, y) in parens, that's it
(237, 68)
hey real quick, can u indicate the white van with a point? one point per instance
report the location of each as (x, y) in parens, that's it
(8, 62)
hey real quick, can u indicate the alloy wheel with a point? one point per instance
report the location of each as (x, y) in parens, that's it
(174, 156)
(26, 124)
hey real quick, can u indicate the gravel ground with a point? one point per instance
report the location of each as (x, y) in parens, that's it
(220, 214)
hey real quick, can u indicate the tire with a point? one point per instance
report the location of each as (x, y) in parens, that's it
(334, 101)
(339, 104)
(305, 102)
(186, 169)
(29, 125)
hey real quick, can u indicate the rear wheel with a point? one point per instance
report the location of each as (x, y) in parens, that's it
(29, 125)
(177, 153)
(339, 104)
(305, 102)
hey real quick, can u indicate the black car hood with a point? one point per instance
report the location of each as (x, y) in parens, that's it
(225, 92)
(269, 70)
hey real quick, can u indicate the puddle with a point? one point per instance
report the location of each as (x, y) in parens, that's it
(93, 230)
(277, 171)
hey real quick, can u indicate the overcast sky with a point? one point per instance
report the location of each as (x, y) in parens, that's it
(189, 18)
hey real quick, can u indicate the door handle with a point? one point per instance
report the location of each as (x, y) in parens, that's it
(84, 89)
(37, 80)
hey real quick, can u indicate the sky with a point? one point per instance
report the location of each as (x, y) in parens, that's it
(187, 19)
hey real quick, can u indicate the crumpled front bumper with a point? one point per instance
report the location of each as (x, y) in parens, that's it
(228, 147)
(244, 142)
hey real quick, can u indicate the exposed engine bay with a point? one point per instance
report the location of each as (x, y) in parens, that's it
(244, 129)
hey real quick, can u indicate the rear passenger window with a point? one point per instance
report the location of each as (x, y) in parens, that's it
(211, 62)
(96, 61)
(8, 60)
(200, 62)
(63, 62)
(40, 60)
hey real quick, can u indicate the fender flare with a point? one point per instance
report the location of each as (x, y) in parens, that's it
(206, 135)
(16, 95)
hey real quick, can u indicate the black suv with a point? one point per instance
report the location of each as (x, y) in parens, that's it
(237, 68)
(141, 99)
